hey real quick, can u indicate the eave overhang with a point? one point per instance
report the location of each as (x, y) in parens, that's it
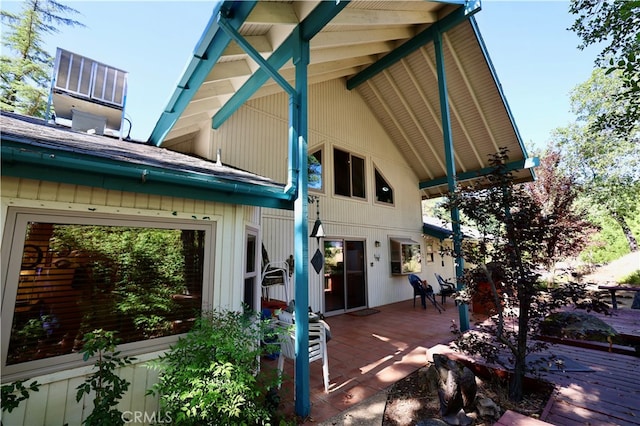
(41, 152)
(382, 50)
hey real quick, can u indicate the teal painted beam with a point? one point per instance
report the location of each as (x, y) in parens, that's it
(299, 126)
(255, 55)
(212, 44)
(308, 28)
(64, 167)
(463, 309)
(451, 20)
(528, 163)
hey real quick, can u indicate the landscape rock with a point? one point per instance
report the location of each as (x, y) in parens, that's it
(431, 422)
(487, 408)
(429, 379)
(577, 325)
(457, 389)
(468, 388)
(458, 419)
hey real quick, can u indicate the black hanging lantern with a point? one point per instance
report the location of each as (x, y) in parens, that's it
(318, 229)
(317, 233)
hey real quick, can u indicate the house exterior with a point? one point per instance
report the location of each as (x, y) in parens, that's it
(264, 133)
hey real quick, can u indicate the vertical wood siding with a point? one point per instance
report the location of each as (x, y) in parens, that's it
(54, 403)
(337, 118)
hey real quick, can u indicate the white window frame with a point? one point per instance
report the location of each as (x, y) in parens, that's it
(255, 274)
(13, 241)
(376, 169)
(364, 174)
(323, 151)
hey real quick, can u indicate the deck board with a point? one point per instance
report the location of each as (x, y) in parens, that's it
(609, 394)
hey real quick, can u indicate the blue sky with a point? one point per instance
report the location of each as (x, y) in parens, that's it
(535, 56)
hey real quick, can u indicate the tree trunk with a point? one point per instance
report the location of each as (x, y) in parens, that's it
(633, 243)
(516, 385)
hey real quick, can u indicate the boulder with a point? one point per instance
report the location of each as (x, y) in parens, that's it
(488, 408)
(457, 389)
(577, 325)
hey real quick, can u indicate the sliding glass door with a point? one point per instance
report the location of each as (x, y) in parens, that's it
(345, 287)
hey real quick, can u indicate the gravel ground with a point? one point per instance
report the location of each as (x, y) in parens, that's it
(613, 271)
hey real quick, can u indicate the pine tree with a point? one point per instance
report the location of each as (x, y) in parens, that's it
(25, 66)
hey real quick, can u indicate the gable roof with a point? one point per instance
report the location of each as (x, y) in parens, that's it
(33, 149)
(381, 49)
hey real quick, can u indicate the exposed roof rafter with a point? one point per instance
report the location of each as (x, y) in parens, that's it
(449, 21)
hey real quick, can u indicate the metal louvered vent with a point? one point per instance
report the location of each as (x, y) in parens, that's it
(89, 93)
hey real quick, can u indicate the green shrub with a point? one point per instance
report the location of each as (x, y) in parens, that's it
(14, 393)
(108, 388)
(610, 243)
(633, 278)
(209, 377)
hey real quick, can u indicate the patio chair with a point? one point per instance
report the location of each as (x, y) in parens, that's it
(447, 288)
(424, 292)
(317, 344)
(274, 273)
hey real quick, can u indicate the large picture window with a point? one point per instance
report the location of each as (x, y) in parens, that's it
(348, 171)
(70, 276)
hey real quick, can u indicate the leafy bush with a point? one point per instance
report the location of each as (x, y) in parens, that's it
(633, 278)
(108, 387)
(209, 377)
(610, 243)
(515, 234)
(14, 393)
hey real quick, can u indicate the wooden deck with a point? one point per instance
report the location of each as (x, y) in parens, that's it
(625, 321)
(512, 418)
(368, 354)
(607, 395)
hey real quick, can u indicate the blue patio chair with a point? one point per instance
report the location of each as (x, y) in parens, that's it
(424, 291)
(446, 288)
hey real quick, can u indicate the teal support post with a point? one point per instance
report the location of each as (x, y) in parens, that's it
(451, 174)
(301, 239)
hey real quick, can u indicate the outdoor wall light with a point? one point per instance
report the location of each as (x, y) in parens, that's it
(377, 243)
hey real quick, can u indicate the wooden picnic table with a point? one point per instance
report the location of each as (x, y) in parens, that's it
(614, 288)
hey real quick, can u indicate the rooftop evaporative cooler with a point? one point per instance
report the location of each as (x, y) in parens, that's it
(90, 94)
